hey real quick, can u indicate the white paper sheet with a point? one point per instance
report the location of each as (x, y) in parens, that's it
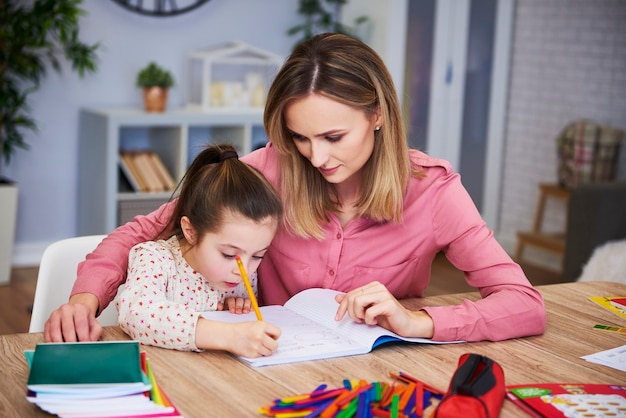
(615, 358)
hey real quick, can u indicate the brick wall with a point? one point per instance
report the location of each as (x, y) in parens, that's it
(568, 62)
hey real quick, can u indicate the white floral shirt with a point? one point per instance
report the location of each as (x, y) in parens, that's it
(163, 296)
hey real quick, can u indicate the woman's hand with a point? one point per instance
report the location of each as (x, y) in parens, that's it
(74, 321)
(247, 339)
(373, 304)
(235, 305)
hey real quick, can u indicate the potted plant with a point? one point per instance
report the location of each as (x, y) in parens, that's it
(33, 35)
(155, 82)
(323, 16)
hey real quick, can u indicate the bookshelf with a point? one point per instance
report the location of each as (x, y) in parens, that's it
(105, 198)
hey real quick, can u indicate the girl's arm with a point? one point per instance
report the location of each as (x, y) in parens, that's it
(247, 339)
(151, 312)
(147, 309)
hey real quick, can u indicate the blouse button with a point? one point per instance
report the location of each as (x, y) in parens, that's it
(338, 235)
(331, 272)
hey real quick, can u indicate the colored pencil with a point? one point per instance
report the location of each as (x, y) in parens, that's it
(246, 282)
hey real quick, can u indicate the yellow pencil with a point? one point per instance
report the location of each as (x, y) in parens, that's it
(246, 282)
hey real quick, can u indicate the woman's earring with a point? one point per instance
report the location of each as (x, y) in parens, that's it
(377, 128)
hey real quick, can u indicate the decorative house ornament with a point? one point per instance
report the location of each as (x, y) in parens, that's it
(234, 75)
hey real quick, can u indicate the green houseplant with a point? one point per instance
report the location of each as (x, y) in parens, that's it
(33, 37)
(323, 16)
(155, 82)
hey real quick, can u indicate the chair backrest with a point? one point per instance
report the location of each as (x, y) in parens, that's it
(57, 273)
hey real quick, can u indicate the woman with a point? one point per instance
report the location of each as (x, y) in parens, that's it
(363, 213)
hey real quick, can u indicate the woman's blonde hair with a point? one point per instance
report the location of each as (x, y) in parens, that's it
(348, 71)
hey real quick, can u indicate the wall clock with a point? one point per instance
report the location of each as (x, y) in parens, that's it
(160, 8)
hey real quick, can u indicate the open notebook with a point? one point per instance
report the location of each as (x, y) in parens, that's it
(310, 332)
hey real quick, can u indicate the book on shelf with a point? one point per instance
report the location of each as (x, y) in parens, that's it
(310, 332)
(146, 172)
(130, 172)
(162, 173)
(144, 165)
(569, 399)
(97, 379)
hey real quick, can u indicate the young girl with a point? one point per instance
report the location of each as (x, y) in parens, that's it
(225, 208)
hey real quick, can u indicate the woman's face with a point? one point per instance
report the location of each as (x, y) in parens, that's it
(337, 139)
(214, 255)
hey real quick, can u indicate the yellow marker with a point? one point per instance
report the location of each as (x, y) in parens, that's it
(246, 282)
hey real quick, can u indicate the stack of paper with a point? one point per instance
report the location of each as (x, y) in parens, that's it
(96, 379)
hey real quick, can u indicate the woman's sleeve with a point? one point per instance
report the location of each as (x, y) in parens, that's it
(510, 306)
(104, 269)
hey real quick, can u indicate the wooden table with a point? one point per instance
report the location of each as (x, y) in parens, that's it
(217, 384)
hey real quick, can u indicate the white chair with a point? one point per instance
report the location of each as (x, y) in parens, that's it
(57, 273)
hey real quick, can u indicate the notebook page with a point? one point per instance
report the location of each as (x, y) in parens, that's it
(321, 307)
(301, 338)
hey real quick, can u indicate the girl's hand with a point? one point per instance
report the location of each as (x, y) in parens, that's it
(253, 339)
(235, 305)
(373, 304)
(247, 339)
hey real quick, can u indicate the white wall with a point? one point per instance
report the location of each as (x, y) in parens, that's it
(385, 31)
(568, 62)
(47, 173)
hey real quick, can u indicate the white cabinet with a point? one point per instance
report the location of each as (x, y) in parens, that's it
(105, 199)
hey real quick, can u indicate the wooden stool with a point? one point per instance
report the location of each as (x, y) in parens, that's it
(549, 241)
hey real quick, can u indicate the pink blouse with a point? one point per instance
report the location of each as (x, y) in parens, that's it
(439, 215)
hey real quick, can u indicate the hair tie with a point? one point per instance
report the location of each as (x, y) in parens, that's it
(225, 155)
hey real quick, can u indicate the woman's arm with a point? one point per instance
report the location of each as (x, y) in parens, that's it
(99, 278)
(373, 304)
(104, 270)
(510, 306)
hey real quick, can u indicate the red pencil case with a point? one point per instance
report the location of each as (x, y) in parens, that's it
(477, 389)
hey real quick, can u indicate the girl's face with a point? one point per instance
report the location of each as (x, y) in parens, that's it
(337, 139)
(214, 255)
